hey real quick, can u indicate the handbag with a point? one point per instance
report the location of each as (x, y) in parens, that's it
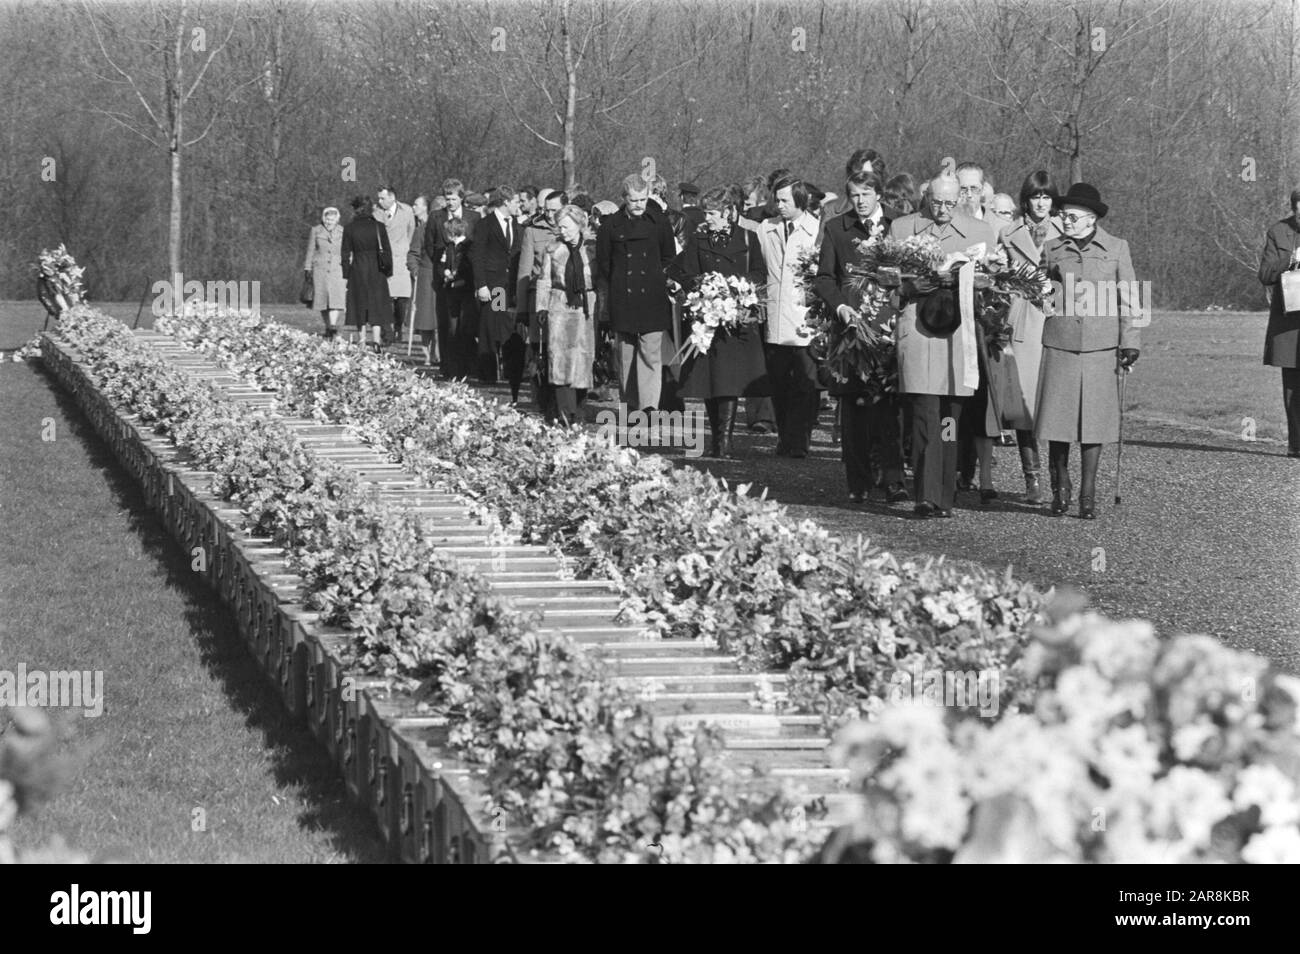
(308, 293)
(1291, 290)
(385, 252)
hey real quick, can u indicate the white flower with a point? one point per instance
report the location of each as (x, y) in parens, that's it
(1274, 793)
(1279, 845)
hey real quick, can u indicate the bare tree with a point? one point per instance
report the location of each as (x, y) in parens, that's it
(149, 59)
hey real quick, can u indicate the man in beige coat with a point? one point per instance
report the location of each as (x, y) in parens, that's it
(933, 367)
(399, 219)
(791, 369)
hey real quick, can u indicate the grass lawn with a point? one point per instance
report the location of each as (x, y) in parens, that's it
(92, 582)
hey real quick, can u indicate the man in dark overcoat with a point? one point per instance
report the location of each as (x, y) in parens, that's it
(866, 425)
(634, 247)
(494, 247)
(1282, 337)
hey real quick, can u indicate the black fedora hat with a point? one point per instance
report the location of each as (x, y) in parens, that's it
(938, 312)
(1087, 196)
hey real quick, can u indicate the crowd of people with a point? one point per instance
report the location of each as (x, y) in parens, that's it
(571, 290)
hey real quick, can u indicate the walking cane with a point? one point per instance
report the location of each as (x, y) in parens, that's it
(147, 285)
(1119, 454)
(410, 320)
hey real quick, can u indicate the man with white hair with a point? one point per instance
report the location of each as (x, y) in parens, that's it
(935, 346)
(970, 189)
(634, 247)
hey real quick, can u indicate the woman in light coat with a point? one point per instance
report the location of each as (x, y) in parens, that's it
(1091, 336)
(324, 263)
(566, 313)
(1024, 244)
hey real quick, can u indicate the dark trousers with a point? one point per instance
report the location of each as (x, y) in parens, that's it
(793, 374)
(457, 314)
(1291, 401)
(401, 309)
(867, 428)
(934, 459)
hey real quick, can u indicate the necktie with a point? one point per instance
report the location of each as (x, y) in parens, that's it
(789, 227)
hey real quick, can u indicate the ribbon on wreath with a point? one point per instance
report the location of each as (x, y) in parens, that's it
(970, 371)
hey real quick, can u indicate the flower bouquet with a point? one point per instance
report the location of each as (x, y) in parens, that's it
(58, 280)
(1136, 750)
(860, 350)
(719, 304)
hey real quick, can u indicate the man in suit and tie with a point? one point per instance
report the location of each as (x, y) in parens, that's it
(868, 424)
(399, 219)
(455, 305)
(494, 248)
(937, 366)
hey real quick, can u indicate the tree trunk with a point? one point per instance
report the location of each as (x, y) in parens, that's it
(569, 162)
(175, 110)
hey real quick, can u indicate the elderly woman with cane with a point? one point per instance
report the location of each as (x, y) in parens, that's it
(1278, 270)
(1090, 337)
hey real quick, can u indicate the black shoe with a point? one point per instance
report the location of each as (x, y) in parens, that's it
(896, 493)
(1086, 509)
(964, 483)
(987, 495)
(924, 510)
(798, 453)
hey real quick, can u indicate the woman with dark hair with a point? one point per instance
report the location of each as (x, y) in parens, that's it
(566, 313)
(734, 365)
(1024, 241)
(365, 247)
(1282, 337)
(900, 196)
(425, 313)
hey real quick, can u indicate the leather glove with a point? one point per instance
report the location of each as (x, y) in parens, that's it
(1127, 356)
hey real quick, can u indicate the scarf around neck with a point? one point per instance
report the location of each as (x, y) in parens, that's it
(575, 286)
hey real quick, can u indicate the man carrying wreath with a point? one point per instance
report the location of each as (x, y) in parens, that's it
(869, 421)
(937, 366)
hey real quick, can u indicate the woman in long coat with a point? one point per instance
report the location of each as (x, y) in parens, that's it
(566, 313)
(1017, 400)
(1078, 391)
(734, 365)
(425, 319)
(369, 304)
(324, 262)
(1282, 337)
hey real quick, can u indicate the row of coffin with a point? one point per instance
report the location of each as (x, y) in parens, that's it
(426, 803)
